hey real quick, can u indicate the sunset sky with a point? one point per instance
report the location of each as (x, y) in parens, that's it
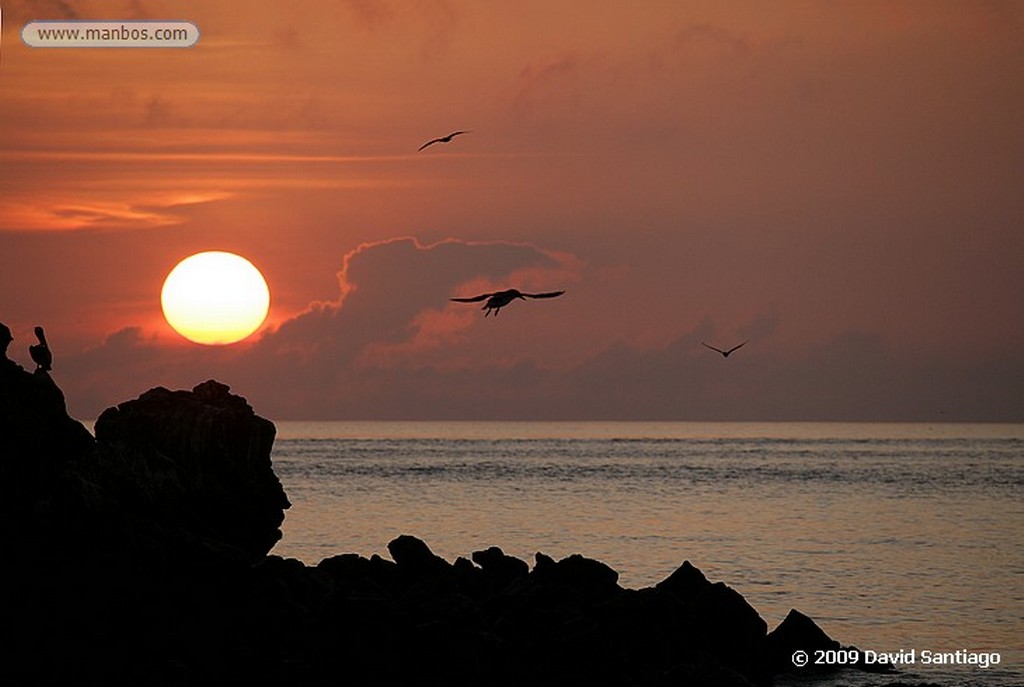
(840, 183)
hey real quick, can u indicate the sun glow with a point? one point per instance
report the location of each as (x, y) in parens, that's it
(215, 298)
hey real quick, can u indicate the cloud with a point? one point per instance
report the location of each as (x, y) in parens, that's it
(133, 360)
(708, 34)
(432, 21)
(60, 211)
(392, 304)
(550, 83)
(394, 292)
(853, 377)
(392, 346)
(762, 327)
(370, 14)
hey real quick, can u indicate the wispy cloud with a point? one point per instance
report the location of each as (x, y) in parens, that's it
(56, 212)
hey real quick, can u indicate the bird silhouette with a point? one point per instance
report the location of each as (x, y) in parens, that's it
(443, 139)
(499, 299)
(725, 354)
(40, 352)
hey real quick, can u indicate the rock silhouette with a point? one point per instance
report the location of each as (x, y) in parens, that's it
(142, 557)
(38, 440)
(5, 342)
(218, 488)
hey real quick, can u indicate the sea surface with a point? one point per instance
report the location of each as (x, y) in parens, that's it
(893, 537)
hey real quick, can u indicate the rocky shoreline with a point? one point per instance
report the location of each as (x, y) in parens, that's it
(140, 556)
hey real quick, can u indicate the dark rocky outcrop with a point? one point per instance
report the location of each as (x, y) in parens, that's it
(141, 557)
(37, 441)
(171, 477)
(797, 633)
(199, 465)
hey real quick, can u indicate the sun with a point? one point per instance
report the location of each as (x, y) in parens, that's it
(215, 298)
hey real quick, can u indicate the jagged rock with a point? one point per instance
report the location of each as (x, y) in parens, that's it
(197, 465)
(722, 610)
(587, 576)
(797, 633)
(37, 441)
(500, 569)
(150, 566)
(413, 555)
(542, 561)
(719, 620)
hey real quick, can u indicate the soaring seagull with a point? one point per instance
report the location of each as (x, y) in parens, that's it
(725, 354)
(499, 299)
(40, 352)
(443, 139)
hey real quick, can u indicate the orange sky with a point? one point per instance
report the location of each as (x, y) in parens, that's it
(839, 183)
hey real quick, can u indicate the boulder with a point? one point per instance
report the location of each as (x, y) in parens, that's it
(499, 569)
(584, 576)
(796, 633)
(196, 466)
(799, 633)
(413, 556)
(718, 620)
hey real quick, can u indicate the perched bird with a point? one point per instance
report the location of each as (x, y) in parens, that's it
(40, 352)
(725, 354)
(499, 299)
(443, 139)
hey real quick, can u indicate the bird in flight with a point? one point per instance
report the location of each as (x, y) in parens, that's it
(40, 352)
(443, 139)
(499, 299)
(725, 354)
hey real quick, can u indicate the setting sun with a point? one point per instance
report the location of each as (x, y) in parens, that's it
(215, 298)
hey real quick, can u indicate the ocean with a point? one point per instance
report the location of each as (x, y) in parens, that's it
(893, 537)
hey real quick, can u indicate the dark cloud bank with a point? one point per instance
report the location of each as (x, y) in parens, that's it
(327, 362)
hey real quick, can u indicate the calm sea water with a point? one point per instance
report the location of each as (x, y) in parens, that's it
(893, 537)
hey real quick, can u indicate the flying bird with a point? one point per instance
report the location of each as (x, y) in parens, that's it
(499, 299)
(725, 354)
(443, 139)
(40, 352)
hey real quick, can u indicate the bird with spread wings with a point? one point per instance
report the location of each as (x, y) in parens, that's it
(725, 353)
(443, 139)
(499, 299)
